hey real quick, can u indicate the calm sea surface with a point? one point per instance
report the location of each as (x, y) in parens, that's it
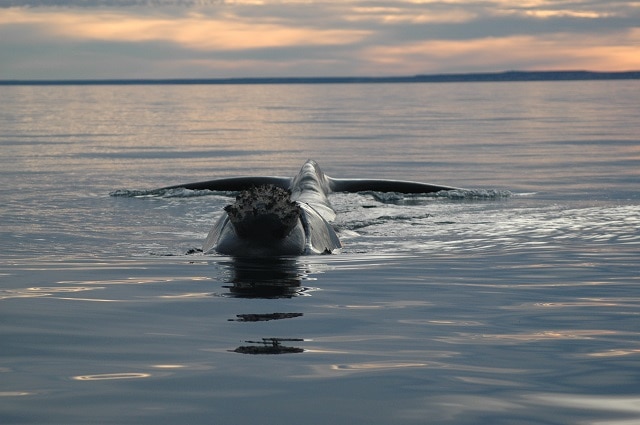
(516, 301)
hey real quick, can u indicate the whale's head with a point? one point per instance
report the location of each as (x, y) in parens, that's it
(263, 213)
(263, 221)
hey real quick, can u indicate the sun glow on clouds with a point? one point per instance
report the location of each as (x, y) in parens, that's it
(395, 15)
(566, 13)
(195, 31)
(559, 50)
(216, 38)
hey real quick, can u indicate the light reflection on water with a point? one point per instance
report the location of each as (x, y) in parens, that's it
(349, 318)
(41, 292)
(112, 376)
(568, 408)
(513, 303)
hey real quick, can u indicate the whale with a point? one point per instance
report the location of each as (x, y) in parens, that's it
(287, 216)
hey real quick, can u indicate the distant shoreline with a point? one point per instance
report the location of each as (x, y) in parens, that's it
(508, 76)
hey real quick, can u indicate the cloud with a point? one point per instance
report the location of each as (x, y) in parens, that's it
(552, 52)
(106, 3)
(209, 38)
(194, 31)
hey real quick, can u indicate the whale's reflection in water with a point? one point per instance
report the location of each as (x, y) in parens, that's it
(269, 346)
(278, 277)
(267, 278)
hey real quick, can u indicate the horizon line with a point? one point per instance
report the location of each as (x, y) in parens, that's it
(499, 76)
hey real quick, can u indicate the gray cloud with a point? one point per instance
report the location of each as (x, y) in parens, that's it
(107, 3)
(378, 37)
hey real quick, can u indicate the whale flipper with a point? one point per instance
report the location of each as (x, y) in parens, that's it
(312, 183)
(379, 185)
(234, 184)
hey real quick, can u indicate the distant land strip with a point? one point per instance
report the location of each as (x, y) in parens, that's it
(434, 78)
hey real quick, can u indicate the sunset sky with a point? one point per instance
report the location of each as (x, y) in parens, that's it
(87, 39)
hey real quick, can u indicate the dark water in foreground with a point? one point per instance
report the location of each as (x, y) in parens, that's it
(514, 302)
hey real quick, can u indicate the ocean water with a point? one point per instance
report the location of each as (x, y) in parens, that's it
(516, 300)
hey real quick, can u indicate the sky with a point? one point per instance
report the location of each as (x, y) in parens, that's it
(104, 39)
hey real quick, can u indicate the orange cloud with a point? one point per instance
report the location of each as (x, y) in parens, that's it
(373, 39)
(397, 15)
(566, 13)
(193, 31)
(545, 52)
